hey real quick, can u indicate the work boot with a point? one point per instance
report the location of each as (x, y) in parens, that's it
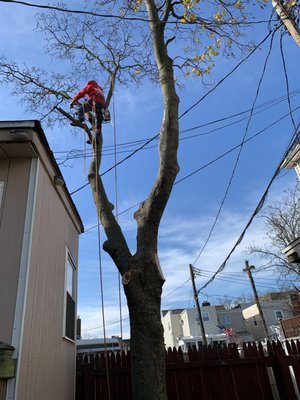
(80, 119)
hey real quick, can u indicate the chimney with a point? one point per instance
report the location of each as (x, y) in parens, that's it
(78, 328)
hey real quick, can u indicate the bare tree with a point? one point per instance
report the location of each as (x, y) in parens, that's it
(164, 41)
(282, 224)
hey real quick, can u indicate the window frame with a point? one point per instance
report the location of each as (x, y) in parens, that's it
(227, 320)
(69, 261)
(278, 318)
(205, 319)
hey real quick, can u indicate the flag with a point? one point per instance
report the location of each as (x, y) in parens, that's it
(227, 331)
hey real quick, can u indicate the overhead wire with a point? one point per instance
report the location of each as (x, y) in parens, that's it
(239, 152)
(213, 160)
(77, 154)
(185, 112)
(234, 148)
(117, 209)
(122, 17)
(239, 281)
(262, 107)
(256, 211)
(293, 141)
(286, 81)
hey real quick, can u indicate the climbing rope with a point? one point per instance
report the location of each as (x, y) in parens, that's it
(95, 147)
(84, 156)
(117, 211)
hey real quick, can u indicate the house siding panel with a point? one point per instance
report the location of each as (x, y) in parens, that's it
(15, 173)
(46, 356)
(237, 320)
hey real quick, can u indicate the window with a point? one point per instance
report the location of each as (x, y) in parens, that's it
(205, 316)
(1, 192)
(278, 314)
(225, 320)
(191, 345)
(70, 307)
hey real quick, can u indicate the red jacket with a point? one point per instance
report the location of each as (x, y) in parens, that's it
(94, 92)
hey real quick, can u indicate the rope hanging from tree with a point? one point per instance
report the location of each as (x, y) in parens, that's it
(96, 154)
(117, 209)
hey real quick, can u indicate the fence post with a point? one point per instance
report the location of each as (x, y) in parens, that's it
(282, 359)
(7, 367)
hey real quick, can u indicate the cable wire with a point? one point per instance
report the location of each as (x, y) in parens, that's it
(239, 152)
(77, 154)
(185, 112)
(286, 81)
(212, 161)
(293, 140)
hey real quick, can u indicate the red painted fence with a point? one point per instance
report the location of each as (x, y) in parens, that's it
(218, 373)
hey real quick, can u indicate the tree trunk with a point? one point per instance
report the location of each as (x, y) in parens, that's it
(143, 288)
(141, 273)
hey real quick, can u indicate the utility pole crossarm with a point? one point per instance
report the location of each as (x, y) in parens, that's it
(287, 20)
(204, 340)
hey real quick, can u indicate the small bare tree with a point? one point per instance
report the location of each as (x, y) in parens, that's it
(164, 41)
(282, 224)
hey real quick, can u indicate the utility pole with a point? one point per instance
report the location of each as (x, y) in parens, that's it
(249, 269)
(204, 340)
(287, 19)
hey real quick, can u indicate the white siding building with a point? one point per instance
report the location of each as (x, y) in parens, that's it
(39, 233)
(182, 328)
(273, 311)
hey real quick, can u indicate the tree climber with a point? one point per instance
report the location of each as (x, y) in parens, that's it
(95, 103)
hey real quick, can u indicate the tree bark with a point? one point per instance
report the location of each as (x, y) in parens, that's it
(143, 287)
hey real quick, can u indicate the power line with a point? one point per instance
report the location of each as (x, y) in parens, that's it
(230, 73)
(256, 211)
(78, 154)
(118, 163)
(185, 112)
(212, 161)
(239, 153)
(239, 281)
(233, 148)
(120, 17)
(286, 81)
(70, 11)
(264, 106)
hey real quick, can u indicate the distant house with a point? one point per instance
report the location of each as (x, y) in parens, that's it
(39, 232)
(99, 345)
(182, 329)
(293, 159)
(274, 311)
(291, 297)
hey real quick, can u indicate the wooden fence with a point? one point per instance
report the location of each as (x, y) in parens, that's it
(291, 327)
(218, 373)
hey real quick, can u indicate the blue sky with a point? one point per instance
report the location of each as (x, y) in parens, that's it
(194, 201)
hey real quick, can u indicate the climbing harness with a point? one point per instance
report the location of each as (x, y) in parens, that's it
(105, 115)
